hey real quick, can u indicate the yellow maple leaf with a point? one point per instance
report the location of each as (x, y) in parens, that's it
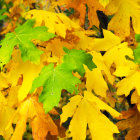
(33, 111)
(129, 83)
(28, 70)
(123, 10)
(103, 44)
(94, 79)
(80, 8)
(86, 110)
(96, 44)
(117, 55)
(125, 70)
(56, 22)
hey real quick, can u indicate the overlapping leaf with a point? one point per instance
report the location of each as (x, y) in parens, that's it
(22, 37)
(80, 7)
(57, 23)
(6, 112)
(129, 83)
(86, 110)
(52, 79)
(76, 58)
(113, 65)
(27, 70)
(95, 79)
(123, 66)
(108, 42)
(31, 109)
(123, 10)
(130, 121)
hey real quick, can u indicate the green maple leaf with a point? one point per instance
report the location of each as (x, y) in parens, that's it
(137, 50)
(23, 36)
(53, 81)
(76, 58)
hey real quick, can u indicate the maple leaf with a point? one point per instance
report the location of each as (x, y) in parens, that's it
(120, 50)
(94, 79)
(108, 42)
(41, 125)
(129, 83)
(52, 79)
(32, 110)
(56, 22)
(96, 44)
(80, 6)
(17, 68)
(76, 58)
(131, 122)
(86, 110)
(22, 37)
(123, 10)
(123, 66)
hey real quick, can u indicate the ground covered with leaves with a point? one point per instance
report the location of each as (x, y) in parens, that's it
(69, 69)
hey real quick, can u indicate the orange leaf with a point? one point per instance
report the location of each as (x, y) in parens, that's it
(33, 111)
(41, 125)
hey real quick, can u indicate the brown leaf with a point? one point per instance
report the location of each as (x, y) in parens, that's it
(132, 123)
